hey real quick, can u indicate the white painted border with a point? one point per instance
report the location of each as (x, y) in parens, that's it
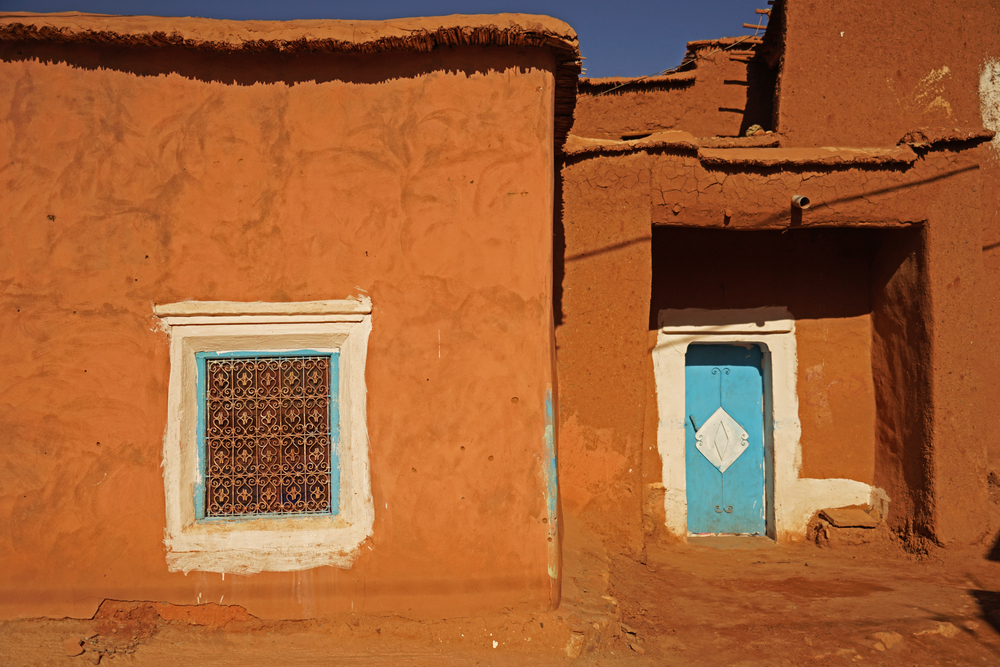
(294, 543)
(182, 309)
(792, 500)
(989, 100)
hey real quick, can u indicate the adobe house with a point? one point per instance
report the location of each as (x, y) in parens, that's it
(757, 328)
(297, 314)
(277, 326)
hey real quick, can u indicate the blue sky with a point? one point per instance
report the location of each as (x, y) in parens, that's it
(625, 38)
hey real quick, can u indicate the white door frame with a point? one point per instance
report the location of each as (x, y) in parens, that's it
(791, 500)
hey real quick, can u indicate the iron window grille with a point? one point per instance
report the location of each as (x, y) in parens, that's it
(268, 430)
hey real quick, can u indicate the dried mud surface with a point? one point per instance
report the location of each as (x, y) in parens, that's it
(741, 602)
(720, 601)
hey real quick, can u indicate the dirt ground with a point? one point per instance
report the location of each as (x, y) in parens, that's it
(740, 604)
(715, 601)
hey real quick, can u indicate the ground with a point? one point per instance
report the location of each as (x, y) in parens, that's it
(721, 601)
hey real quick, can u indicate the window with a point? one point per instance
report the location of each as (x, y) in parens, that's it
(266, 445)
(265, 460)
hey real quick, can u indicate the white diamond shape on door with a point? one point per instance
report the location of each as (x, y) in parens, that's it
(721, 440)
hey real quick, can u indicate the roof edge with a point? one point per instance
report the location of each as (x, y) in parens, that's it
(421, 34)
(320, 35)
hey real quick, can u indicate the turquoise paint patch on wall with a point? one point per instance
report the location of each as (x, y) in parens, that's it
(551, 473)
(199, 488)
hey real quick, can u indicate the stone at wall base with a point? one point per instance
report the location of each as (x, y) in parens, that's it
(73, 646)
(845, 526)
(849, 517)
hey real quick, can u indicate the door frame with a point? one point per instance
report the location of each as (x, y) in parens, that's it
(791, 500)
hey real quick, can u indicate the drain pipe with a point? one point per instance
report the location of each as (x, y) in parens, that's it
(800, 201)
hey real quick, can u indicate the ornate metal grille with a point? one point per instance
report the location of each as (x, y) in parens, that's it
(267, 436)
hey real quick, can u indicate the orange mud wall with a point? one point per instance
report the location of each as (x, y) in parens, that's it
(858, 293)
(718, 96)
(621, 269)
(601, 339)
(141, 176)
(892, 275)
(843, 65)
(864, 74)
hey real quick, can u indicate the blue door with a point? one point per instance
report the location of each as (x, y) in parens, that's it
(724, 394)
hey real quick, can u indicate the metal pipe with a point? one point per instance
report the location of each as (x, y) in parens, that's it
(800, 201)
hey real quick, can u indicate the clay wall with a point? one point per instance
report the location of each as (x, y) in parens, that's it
(866, 75)
(901, 351)
(142, 176)
(601, 343)
(901, 408)
(989, 192)
(989, 309)
(718, 95)
(873, 69)
(878, 274)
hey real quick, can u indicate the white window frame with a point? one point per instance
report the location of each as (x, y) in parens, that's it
(270, 543)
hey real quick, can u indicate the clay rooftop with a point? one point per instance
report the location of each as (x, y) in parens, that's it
(409, 34)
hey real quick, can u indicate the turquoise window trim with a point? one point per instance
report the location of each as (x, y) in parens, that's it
(199, 491)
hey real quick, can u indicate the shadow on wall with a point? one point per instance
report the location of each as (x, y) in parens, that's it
(247, 69)
(823, 209)
(989, 604)
(559, 257)
(760, 84)
(994, 553)
(815, 273)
